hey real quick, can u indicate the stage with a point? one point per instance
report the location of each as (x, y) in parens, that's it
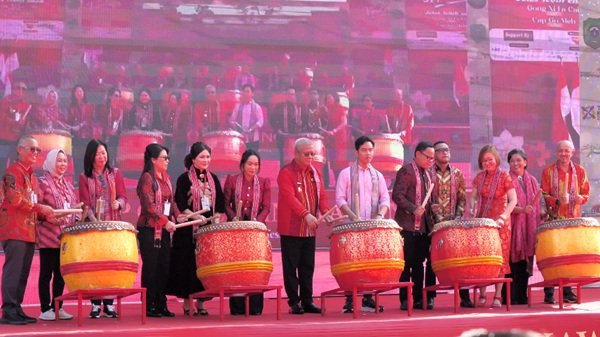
(581, 320)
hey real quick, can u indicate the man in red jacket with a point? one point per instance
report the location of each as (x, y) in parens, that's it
(301, 197)
(17, 229)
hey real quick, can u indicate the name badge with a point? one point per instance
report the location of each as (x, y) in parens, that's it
(115, 125)
(205, 202)
(17, 116)
(67, 205)
(34, 199)
(167, 209)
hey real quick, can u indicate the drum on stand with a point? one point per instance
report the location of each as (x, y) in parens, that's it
(366, 252)
(236, 253)
(49, 139)
(130, 152)
(389, 154)
(96, 255)
(227, 149)
(466, 249)
(319, 143)
(568, 248)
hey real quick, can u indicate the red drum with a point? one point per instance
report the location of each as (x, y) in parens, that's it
(389, 154)
(233, 254)
(132, 144)
(318, 141)
(227, 149)
(466, 249)
(96, 255)
(568, 248)
(53, 139)
(366, 252)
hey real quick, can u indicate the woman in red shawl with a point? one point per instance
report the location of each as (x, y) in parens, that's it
(494, 197)
(524, 219)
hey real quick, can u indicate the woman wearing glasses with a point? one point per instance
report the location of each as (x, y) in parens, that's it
(154, 224)
(254, 193)
(102, 190)
(58, 193)
(494, 197)
(197, 189)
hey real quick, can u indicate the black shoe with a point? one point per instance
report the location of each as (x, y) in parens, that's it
(95, 313)
(430, 304)
(28, 319)
(549, 299)
(311, 308)
(466, 303)
(152, 312)
(166, 313)
(255, 313)
(296, 309)
(404, 305)
(109, 311)
(12, 319)
(418, 305)
(348, 307)
(570, 298)
(368, 305)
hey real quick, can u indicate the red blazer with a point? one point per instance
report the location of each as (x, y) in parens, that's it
(265, 199)
(290, 210)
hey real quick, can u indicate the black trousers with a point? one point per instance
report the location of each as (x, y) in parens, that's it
(50, 273)
(155, 267)
(18, 256)
(237, 305)
(416, 250)
(520, 277)
(298, 260)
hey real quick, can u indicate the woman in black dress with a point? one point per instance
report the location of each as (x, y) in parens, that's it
(196, 189)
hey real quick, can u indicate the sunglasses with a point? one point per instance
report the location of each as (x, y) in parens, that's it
(33, 149)
(309, 154)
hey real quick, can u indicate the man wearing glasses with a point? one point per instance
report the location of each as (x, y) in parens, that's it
(301, 197)
(14, 110)
(448, 200)
(413, 211)
(17, 229)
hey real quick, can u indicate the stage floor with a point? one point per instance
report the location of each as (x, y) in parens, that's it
(576, 320)
(581, 320)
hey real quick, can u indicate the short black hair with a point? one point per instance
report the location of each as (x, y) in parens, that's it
(440, 142)
(422, 146)
(361, 140)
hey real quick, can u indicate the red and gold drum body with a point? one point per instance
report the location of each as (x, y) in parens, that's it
(389, 154)
(568, 248)
(53, 139)
(366, 252)
(466, 249)
(97, 255)
(234, 253)
(318, 142)
(132, 144)
(227, 149)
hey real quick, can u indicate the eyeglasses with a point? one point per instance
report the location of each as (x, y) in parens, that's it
(33, 149)
(426, 156)
(309, 154)
(116, 96)
(445, 150)
(165, 157)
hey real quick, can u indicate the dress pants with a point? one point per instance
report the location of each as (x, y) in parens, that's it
(18, 256)
(50, 273)
(520, 277)
(416, 250)
(155, 267)
(237, 305)
(298, 260)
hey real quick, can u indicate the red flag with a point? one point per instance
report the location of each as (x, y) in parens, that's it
(460, 87)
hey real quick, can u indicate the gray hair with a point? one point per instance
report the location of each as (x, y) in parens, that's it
(302, 142)
(21, 142)
(565, 142)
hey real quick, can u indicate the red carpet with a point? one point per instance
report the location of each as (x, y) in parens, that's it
(580, 320)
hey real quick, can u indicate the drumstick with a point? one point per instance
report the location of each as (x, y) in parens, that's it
(238, 213)
(194, 222)
(323, 216)
(357, 205)
(427, 195)
(200, 212)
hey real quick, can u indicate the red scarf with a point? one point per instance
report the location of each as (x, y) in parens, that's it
(524, 225)
(109, 176)
(160, 207)
(488, 202)
(255, 195)
(573, 182)
(419, 192)
(63, 193)
(199, 189)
